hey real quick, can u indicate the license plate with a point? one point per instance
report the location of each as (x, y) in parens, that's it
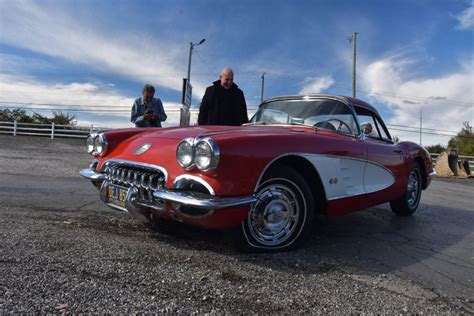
(116, 194)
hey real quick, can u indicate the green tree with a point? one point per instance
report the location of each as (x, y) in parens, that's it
(463, 141)
(18, 115)
(21, 116)
(41, 119)
(63, 118)
(435, 149)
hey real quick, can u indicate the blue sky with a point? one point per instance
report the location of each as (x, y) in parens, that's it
(94, 56)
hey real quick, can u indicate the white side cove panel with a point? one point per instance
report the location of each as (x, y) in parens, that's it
(377, 178)
(345, 177)
(341, 177)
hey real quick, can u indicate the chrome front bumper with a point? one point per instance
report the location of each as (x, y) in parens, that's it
(201, 200)
(178, 198)
(92, 175)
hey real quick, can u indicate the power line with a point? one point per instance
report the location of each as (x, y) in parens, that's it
(401, 96)
(57, 104)
(91, 107)
(431, 133)
(202, 60)
(84, 110)
(177, 111)
(433, 129)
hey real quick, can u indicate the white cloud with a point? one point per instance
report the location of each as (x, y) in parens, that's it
(316, 84)
(25, 90)
(466, 18)
(445, 101)
(89, 102)
(47, 30)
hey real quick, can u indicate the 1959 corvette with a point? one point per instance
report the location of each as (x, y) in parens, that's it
(298, 158)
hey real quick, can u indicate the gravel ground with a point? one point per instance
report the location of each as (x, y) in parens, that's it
(61, 250)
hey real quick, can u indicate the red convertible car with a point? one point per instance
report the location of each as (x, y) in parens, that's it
(298, 158)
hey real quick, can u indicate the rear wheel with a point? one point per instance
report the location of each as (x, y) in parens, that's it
(282, 216)
(409, 202)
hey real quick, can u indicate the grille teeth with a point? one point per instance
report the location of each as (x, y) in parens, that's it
(155, 180)
(136, 178)
(146, 179)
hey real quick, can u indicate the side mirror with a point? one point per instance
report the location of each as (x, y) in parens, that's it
(367, 128)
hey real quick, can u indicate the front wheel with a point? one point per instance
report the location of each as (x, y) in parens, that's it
(409, 202)
(281, 217)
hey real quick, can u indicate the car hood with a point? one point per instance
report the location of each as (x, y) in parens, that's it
(225, 131)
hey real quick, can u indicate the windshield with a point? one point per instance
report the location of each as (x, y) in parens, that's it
(323, 114)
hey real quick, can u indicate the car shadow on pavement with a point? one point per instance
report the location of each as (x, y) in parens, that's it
(369, 241)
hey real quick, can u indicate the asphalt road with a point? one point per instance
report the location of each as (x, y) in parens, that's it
(61, 250)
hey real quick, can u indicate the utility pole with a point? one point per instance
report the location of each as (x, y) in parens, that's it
(353, 40)
(263, 85)
(421, 123)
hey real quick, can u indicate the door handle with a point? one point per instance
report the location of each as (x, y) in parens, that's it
(398, 151)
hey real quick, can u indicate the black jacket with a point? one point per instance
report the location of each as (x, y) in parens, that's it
(221, 106)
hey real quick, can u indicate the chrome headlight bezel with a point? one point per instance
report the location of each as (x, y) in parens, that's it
(186, 144)
(90, 143)
(102, 148)
(212, 155)
(97, 144)
(192, 147)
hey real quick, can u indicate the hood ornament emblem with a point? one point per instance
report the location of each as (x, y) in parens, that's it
(143, 148)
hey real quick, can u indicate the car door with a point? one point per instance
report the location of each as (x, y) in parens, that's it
(384, 173)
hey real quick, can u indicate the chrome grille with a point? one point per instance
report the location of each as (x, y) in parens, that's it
(130, 175)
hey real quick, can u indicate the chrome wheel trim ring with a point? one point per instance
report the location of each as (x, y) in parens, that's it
(274, 218)
(413, 189)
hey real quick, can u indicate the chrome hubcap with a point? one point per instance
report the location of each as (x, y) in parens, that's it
(413, 189)
(274, 217)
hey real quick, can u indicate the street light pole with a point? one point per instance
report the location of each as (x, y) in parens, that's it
(189, 62)
(185, 114)
(191, 46)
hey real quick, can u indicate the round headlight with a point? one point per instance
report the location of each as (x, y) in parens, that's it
(90, 143)
(100, 143)
(184, 153)
(206, 154)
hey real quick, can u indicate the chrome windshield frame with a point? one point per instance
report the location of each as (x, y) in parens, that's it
(308, 99)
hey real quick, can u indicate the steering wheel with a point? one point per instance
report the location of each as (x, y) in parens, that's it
(330, 126)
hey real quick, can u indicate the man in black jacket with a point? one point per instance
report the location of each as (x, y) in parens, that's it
(223, 103)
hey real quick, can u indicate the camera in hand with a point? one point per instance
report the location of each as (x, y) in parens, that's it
(148, 115)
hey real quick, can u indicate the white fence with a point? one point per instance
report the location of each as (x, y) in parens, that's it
(50, 130)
